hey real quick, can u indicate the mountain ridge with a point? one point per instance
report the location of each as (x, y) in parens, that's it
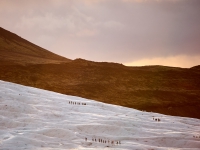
(18, 50)
(167, 90)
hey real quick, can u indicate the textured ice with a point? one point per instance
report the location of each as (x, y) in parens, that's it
(36, 119)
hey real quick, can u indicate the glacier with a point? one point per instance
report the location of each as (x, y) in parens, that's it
(37, 119)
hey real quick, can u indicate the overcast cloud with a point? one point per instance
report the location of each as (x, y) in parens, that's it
(132, 32)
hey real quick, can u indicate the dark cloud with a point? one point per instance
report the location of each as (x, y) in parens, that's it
(107, 30)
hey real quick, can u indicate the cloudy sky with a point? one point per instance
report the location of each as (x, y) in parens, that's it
(132, 32)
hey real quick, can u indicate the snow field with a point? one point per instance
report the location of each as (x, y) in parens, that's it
(32, 118)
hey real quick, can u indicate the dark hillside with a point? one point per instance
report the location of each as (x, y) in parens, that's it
(172, 91)
(167, 90)
(18, 50)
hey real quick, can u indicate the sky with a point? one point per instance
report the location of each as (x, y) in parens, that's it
(131, 32)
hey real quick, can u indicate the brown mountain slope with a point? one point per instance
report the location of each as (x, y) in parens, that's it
(167, 90)
(15, 49)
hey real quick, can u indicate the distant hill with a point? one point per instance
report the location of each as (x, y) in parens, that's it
(15, 49)
(162, 89)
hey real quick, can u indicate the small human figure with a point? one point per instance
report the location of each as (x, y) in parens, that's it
(85, 139)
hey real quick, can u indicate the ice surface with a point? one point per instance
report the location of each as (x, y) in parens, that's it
(36, 119)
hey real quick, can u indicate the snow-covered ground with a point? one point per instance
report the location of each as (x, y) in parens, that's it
(36, 119)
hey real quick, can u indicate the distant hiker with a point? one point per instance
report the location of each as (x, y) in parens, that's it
(117, 142)
(158, 119)
(112, 142)
(95, 140)
(85, 139)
